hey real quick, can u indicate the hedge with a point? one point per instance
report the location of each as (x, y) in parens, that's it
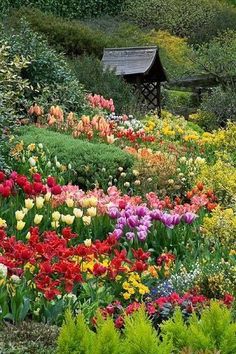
(93, 162)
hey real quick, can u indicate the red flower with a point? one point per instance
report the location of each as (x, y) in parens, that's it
(37, 177)
(119, 322)
(51, 182)
(2, 176)
(139, 266)
(99, 269)
(37, 186)
(56, 190)
(140, 254)
(5, 191)
(228, 299)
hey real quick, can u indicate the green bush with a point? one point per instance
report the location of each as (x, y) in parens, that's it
(214, 331)
(89, 71)
(12, 97)
(52, 80)
(196, 20)
(217, 107)
(92, 163)
(69, 9)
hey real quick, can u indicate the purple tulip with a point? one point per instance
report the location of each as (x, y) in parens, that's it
(128, 212)
(117, 233)
(176, 218)
(167, 220)
(132, 221)
(189, 217)
(122, 221)
(130, 235)
(156, 214)
(142, 235)
(141, 228)
(114, 213)
(141, 211)
(146, 220)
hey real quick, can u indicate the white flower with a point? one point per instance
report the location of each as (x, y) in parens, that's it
(15, 278)
(40, 146)
(32, 161)
(3, 270)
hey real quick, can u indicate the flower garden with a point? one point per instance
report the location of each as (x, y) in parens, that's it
(117, 231)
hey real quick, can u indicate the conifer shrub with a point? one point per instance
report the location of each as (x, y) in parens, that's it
(92, 163)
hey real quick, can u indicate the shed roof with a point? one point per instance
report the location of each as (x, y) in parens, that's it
(133, 60)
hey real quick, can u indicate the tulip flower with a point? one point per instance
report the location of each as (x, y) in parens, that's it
(37, 219)
(2, 223)
(29, 203)
(39, 202)
(20, 225)
(86, 220)
(68, 219)
(78, 213)
(19, 214)
(70, 202)
(56, 216)
(92, 211)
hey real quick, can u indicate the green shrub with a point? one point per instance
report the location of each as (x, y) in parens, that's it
(70, 9)
(92, 163)
(52, 80)
(217, 107)
(196, 20)
(214, 331)
(90, 73)
(12, 96)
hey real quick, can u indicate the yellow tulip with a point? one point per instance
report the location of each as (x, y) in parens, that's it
(78, 213)
(47, 196)
(85, 203)
(92, 211)
(20, 225)
(19, 214)
(70, 202)
(37, 219)
(93, 201)
(29, 203)
(86, 220)
(68, 219)
(39, 202)
(56, 216)
(88, 242)
(55, 224)
(3, 223)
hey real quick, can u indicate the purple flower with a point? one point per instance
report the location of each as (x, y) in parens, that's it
(130, 235)
(117, 233)
(167, 220)
(142, 228)
(156, 214)
(114, 213)
(128, 212)
(122, 221)
(141, 211)
(142, 235)
(176, 218)
(189, 217)
(132, 221)
(146, 220)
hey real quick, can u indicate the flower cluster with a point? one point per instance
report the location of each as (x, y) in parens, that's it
(100, 102)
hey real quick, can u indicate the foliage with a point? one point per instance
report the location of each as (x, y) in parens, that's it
(215, 330)
(73, 9)
(90, 73)
(92, 163)
(47, 73)
(197, 21)
(12, 96)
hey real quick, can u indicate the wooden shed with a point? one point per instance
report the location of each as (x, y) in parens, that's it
(140, 66)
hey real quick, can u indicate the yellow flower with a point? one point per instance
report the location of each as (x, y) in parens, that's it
(28, 236)
(20, 225)
(126, 296)
(30, 267)
(78, 213)
(56, 216)
(19, 214)
(31, 147)
(70, 202)
(135, 172)
(92, 211)
(3, 223)
(232, 253)
(68, 219)
(93, 201)
(39, 202)
(55, 224)
(85, 202)
(37, 219)
(125, 285)
(88, 242)
(47, 196)
(29, 203)
(131, 291)
(86, 220)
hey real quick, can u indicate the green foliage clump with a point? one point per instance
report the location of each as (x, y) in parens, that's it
(197, 20)
(92, 163)
(12, 96)
(52, 80)
(69, 9)
(215, 330)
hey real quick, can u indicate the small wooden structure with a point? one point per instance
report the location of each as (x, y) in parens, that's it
(140, 66)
